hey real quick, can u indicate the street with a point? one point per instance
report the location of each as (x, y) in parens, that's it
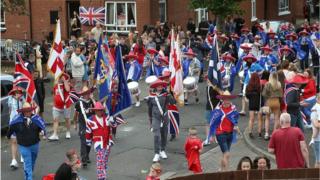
(132, 154)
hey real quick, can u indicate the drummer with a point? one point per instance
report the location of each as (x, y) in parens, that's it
(191, 68)
(228, 71)
(267, 60)
(246, 36)
(133, 72)
(152, 62)
(287, 53)
(163, 66)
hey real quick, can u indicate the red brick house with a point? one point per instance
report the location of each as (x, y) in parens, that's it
(122, 15)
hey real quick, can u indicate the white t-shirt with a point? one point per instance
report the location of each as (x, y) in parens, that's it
(315, 116)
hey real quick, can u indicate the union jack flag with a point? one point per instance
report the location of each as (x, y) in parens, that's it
(23, 79)
(91, 16)
(173, 114)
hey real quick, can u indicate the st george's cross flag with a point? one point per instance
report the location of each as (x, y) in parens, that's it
(176, 80)
(90, 16)
(55, 62)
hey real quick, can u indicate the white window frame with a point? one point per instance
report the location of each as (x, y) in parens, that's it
(165, 8)
(253, 10)
(285, 9)
(115, 25)
(3, 22)
(199, 12)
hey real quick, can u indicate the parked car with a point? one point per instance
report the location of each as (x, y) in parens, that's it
(6, 86)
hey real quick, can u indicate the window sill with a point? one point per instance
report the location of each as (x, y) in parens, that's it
(3, 29)
(282, 13)
(254, 18)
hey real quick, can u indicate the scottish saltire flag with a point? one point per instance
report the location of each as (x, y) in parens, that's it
(101, 73)
(55, 62)
(90, 16)
(173, 114)
(23, 79)
(123, 96)
(175, 67)
(214, 75)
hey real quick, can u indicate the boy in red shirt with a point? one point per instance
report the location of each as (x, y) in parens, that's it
(193, 148)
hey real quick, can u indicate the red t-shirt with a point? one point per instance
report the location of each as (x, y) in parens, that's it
(192, 147)
(286, 145)
(61, 102)
(226, 125)
(139, 53)
(310, 89)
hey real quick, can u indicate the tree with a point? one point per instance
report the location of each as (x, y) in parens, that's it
(220, 8)
(14, 6)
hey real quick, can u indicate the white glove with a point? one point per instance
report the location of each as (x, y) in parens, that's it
(151, 129)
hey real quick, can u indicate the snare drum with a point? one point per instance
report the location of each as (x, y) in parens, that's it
(151, 79)
(189, 83)
(133, 88)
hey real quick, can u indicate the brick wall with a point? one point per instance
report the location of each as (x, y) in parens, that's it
(179, 12)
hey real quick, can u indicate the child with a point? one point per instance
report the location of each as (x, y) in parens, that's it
(315, 117)
(193, 147)
(155, 172)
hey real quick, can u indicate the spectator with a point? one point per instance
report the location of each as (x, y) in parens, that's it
(155, 172)
(68, 170)
(140, 51)
(97, 31)
(253, 93)
(75, 28)
(193, 147)
(124, 47)
(191, 26)
(77, 67)
(40, 91)
(272, 92)
(45, 55)
(244, 164)
(261, 163)
(315, 118)
(203, 27)
(288, 145)
(309, 96)
(8, 44)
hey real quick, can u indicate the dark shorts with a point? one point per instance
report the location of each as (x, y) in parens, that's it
(224, 141)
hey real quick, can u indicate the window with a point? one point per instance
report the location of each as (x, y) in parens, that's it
(120, 16)
(201, 13)
(53, 17)
(2, 21)
(253, 10)
(283, 7)
(163, 10)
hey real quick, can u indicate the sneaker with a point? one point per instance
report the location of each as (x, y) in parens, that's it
(163, 155)
(206, 142)
(68, 135)
(53, 137)
(14, 164)
(266, 137)
(242, 113)
(156, 158)
(186, 102)
(21, 159)
(138, 104)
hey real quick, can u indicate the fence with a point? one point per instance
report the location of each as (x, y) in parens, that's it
(288, 174)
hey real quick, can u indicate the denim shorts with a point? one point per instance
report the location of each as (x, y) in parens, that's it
(207, 116)
(316, 149)
(224, 141)
(60, 114)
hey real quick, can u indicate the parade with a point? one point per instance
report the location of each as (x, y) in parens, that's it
(171, 96)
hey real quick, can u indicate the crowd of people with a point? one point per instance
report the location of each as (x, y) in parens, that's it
(276, 77)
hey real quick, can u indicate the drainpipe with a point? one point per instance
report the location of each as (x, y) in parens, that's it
(265, 9)
(30, 20)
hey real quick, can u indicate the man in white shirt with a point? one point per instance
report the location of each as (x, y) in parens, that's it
(77, 68)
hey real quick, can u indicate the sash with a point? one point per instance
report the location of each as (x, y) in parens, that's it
(83, 112)
(159, 107)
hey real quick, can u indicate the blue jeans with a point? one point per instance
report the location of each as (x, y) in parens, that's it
(316, 149)
(29, 154)
(224, 141)
(307, 110)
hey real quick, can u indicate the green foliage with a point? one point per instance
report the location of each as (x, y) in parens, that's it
(14, 6)
(221, 8)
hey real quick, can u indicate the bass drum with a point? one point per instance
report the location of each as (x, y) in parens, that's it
(189, 83)
(134, 88)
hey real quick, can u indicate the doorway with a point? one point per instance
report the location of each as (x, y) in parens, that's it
(71, 7)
